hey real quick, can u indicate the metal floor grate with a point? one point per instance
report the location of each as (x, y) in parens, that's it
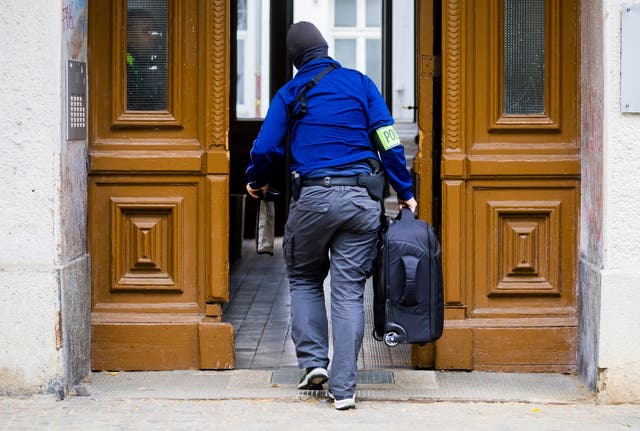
(373, 385)
(365, 377)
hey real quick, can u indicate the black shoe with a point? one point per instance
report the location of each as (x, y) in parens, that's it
(314, 379)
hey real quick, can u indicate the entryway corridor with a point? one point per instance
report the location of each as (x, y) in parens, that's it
(259, 310)
(266, 365)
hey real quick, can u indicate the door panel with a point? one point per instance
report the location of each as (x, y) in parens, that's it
(158, 184)
(153, 223)
(518, 245)
(510, 185)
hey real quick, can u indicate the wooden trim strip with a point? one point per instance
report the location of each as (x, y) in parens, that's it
(453, 74)
(98, 318)
(551, 166)
(218, 74)
(217, 162)
(453, 241)
(138, 161)
(513, 323)
(146, 307)
(217, 282)
(460, 166)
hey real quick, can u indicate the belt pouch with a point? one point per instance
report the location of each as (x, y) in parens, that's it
(374, 184)
(296, 185)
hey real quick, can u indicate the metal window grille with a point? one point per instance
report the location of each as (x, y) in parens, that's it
(524, 56)
(147, 55)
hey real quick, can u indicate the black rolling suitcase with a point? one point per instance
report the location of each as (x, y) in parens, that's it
(407, 283)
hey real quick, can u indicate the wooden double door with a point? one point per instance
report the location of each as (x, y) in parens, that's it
(498, 171)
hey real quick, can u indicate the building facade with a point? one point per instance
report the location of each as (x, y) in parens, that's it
(117, 223)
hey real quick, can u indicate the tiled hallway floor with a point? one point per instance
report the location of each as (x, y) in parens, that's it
(259, 312)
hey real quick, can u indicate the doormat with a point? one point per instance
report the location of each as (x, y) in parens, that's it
(365, 377)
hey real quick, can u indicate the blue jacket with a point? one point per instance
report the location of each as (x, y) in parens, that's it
(343, 109)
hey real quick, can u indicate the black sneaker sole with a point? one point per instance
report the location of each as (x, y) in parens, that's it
(342, 409)
(314, 384)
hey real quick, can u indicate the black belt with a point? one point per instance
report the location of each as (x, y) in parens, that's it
(331, 181)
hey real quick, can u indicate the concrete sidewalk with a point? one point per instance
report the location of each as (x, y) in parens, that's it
(89, 413)
(268, 400)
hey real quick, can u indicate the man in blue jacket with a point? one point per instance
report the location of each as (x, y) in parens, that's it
(339, 130)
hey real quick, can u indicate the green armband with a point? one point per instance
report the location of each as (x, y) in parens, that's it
(386, 138)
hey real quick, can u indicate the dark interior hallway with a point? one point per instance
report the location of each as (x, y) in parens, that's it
(259, 311)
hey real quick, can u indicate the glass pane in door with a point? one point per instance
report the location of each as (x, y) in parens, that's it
(147, 55)
(374, 13)
(345, 13)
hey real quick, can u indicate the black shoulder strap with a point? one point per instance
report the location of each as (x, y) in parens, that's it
(294, 113)
(302, 96)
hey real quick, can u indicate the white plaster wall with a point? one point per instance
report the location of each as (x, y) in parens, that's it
(619, 352)
(29, 359)
(30, 134)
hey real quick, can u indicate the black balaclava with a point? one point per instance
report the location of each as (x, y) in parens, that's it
(305, 43)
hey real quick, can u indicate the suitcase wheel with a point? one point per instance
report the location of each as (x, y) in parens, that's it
(377, 336)
(391, 339)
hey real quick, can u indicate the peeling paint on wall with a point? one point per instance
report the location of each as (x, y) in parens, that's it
(610, 237)
(73, 329)
(592, 177)
(59, 331)
(74, 25)
(592, 77)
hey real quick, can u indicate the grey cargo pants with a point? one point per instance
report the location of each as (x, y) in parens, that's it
(343, 222)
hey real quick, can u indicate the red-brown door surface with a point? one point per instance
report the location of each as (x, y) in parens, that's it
(158, 184)
(510, 172)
